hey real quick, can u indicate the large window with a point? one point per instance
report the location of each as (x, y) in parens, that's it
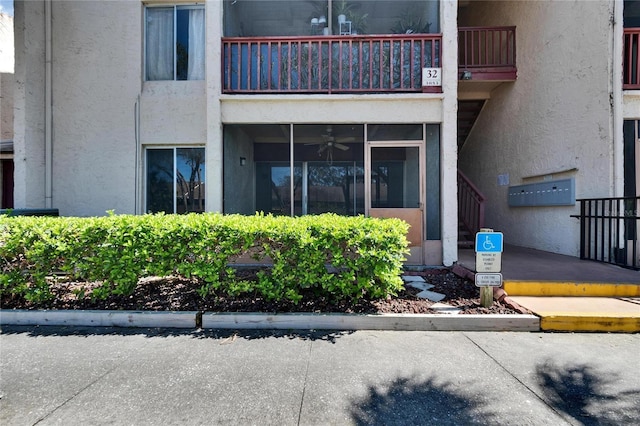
(321, 171)
(175, 180)
(258, 18)
(174, 43)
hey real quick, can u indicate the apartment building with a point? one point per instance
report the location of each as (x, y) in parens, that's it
(410, 109)
(6, 110)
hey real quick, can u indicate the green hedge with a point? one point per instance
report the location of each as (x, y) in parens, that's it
(344, 258)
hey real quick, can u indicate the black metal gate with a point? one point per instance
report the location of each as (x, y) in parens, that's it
(609, 230)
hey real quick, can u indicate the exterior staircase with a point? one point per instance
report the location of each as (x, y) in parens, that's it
(468, 112)
(470, 211)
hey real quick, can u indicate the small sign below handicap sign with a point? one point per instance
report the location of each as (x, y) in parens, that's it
(489, 242)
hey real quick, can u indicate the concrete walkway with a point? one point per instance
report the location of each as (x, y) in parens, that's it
(525, 264)
(82, 376)
(567, 293)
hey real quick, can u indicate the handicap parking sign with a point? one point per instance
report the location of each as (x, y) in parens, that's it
(489, 242)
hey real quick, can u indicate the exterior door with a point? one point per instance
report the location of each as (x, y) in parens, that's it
(394, 179)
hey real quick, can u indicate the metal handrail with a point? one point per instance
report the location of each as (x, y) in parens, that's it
(470, 204)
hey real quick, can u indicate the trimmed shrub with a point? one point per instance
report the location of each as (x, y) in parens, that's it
(342, 258)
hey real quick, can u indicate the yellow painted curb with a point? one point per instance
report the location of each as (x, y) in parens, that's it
(587, 323)
(570, 289)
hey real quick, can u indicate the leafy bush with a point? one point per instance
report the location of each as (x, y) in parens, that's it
(342, 258)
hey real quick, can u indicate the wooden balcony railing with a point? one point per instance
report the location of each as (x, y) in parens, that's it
(489, 53)
(631, 71)
(329, 64)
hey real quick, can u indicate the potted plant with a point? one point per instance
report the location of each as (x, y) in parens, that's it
(344, 11)
(410, 22)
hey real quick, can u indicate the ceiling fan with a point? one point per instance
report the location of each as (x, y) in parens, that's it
(329, 141)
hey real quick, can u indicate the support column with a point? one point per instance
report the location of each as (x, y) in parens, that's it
(214, 158)
(449, 159)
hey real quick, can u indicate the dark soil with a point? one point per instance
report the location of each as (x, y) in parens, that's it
(179, 294)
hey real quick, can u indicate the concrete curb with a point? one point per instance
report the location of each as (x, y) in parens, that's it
(185, 319)
(404, 322)
(294, 321)
(570, 289)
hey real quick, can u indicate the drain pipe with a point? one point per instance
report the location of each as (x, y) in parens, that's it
(617, 101)
(48, 113)
(136, 137)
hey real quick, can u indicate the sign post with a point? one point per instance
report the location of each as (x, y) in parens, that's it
(489, 246)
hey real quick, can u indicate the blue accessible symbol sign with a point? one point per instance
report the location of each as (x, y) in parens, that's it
(489, 242)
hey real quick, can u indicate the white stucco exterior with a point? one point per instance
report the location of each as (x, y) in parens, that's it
(555, 121)
(84, 113)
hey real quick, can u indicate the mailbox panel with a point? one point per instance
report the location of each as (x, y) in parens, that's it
(560, 192)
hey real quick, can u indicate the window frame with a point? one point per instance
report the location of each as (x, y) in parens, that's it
(174, 191)
(175, 7)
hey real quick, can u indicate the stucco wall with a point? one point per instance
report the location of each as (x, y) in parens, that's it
(335, 109)
(96, 79)
(6, 106)
(631, 105)
(173, 112)
(553, 122)
(28, 105)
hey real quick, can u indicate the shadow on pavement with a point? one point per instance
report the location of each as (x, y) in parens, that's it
(407, 401)
(581, 392)
(312, 335)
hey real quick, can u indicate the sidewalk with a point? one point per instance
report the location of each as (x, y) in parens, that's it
(77, 376)
(567, 293)
(525, 264)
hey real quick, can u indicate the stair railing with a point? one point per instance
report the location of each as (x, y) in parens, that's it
(470, 205)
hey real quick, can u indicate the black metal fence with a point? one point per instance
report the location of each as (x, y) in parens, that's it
(609, 230)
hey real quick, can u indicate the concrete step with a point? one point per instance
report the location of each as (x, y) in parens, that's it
(594, 314)
(570, 288)
(579, 306)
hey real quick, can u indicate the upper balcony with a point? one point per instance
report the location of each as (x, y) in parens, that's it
(349, 46)
(330, 64)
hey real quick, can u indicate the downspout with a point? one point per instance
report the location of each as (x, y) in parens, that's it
(136, 131)
(617, 101)
(48, 112)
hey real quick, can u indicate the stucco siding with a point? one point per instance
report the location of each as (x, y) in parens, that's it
(29, 120)
(339, 109)
(173, 112)
(6, 106)
(555, 121)
(94, 97)
(631, 105)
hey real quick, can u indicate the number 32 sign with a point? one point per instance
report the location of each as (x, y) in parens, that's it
(431, 76)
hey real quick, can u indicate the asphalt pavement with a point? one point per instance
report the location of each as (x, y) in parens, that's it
(91, 375)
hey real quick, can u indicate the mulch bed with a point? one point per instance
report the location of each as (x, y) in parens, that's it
(180, 294)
